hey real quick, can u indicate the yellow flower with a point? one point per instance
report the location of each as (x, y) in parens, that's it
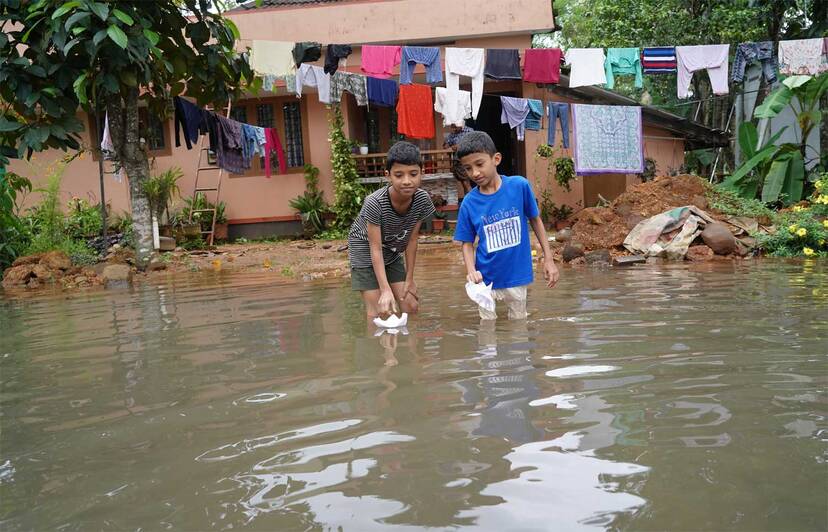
(825, 223)
(821, 242)
(807, 251)
(801, 231)
(792, 228)
(798, 208)
(822, 199)
(819, 184)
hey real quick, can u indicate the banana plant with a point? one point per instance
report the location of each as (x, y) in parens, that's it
(779, 169)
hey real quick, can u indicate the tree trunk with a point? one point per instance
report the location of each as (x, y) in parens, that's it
(123, 126)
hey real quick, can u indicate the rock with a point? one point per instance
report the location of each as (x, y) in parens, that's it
(17, 275)
(80, 279)
(33, 283)
(600, 256)
(167, 244)
(327, 246)
(156, 264)
(655, 260)
(595, 219)
(719, 238)
(342, 248)
(564, 235)
(700, 202)
(178, 249)
(56, 260)
(28, 259)
(578, 261)
(117, 274)
(42, 272)
(572, 251)
(116, 246)
(628, 260)
(699, 253)
(306, 245)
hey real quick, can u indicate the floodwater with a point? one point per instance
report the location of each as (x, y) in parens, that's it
(653, 398)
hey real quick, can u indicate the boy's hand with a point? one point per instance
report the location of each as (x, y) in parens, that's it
(475, 277)
(387, 304)
(410, 296)
(550, 273)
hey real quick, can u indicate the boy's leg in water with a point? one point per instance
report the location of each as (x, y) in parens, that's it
(371, 300)
(516, 301)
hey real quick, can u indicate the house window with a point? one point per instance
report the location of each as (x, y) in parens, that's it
(294, 146)
(154, 130)
(373, 128)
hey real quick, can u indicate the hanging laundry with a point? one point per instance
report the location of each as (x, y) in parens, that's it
(802, 56)
(459, 113)
(535, 116)
(213, 131)
(272, 57)
(712, 57)
(502, 64)
(608, 139)
(106, 139)
(250, 143)
(559, 111)
(587, 66)
(415, 117)
(230, 155)
(468, 62)
(269, 81)
(314, 76)
(747, 53)
(428, 57)
(261, 141)
(514, 112)
(382, 92)
(659, 59)
(623, 61)
(333, 53)
(189, 118)
(353, 83)
(273, 143)
(306, 52)
(379, 61)
(542, 65)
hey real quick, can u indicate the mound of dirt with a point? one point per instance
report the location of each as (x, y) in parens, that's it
(34, 271)
(607, 227)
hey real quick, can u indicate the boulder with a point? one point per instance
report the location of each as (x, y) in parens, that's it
(564, 235)
(719, 238)
(699, 253)
(156, 264)
(628, 260)
(599, 256)
(18, 275)
(167, 244)
(28, 259)
(56, 260)
(117, 274)
(700, 202)
(572, 251)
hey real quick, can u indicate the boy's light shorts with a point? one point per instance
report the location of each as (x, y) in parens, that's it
(515, 299)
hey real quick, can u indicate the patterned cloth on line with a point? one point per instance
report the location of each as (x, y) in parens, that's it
(353, 83)
(659, 59)
(608, 139)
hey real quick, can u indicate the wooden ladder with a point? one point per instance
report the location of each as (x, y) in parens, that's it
(203, 165)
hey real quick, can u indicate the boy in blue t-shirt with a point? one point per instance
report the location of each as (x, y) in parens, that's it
(496, 212)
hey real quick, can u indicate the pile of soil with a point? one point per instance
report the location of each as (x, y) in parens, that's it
(607, 227)
(34, 271)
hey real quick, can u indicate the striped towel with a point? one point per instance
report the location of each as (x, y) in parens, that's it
(659, 60)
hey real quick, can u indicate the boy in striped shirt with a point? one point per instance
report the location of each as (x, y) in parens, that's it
(385, 231)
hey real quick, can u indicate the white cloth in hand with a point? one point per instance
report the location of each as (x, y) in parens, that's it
(481, 294)
(392, 322)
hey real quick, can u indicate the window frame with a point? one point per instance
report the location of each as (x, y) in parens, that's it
(250, 105)
(95, 136)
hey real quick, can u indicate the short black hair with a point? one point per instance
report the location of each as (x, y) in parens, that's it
(405, 153)
(475, 142)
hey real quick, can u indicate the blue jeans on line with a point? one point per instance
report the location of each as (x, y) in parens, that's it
(560, 110)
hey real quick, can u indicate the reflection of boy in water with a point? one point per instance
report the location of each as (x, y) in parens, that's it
(451, 141)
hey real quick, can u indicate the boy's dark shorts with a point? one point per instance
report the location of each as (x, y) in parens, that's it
(365, 279)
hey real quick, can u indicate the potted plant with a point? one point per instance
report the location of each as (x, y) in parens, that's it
(160, 191)
(547, 207)
(438, 224)
(564, 172)
(311, 205)
(363, 149)
(221, 228)
(561, 215)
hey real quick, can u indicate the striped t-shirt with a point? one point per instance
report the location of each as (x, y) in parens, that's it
(659, 60)
(396, 227)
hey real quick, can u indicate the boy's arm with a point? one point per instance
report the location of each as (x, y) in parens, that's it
(550, 271)
(468, 259)
(386, 301)
(410, 259)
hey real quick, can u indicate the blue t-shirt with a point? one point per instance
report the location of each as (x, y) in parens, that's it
(504, 254)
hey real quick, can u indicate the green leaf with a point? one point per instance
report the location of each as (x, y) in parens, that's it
(774, 103)
(69, 45)
(8, 125)
(814, 90)
(32, 99)
(37, 70)
(795, 179)
(123, 17)
(151, 36)
(128, 78)
(233, 28)
(748, 139)
(80, 88)
(65, 8)
(75, 18)
(78, 30)
(100, 9)
(775, 179)
(733, 181)
(118, 36)
(793, 82)
(99, 36)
